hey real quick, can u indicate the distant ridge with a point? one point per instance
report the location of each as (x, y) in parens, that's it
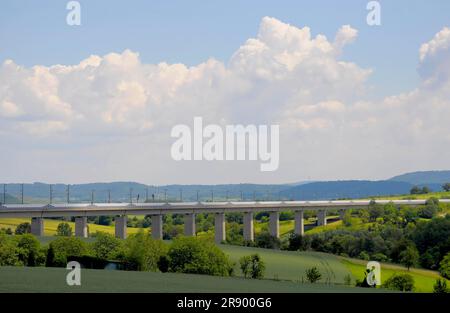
(424, 177)
(302, 190)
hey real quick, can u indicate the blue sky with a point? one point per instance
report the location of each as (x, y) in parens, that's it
(189, 32)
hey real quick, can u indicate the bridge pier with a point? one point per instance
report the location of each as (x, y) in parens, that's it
(189, 224)
(37, 226)
(219, 228)
(274, 224)
(322, 217)
(157, 227)
(248, 226)
(81, 228)
(299, 223)
(342, 213)
(121, 226)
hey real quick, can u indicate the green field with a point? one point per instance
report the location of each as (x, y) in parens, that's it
(50, 226)
(285, 271)
(41, 279)
(423, 279)
(290, 265)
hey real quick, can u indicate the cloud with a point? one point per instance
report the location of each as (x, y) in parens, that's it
(329, 125)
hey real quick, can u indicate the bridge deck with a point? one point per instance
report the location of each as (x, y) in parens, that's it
(97, 209)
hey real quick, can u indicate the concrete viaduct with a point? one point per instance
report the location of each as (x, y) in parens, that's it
(37, 213)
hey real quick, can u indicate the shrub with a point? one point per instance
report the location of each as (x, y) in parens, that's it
(265, 240)
(364, 256)
(163, 263)
(400, 282)
(106, 246)
(252, 266)
(143, 252)
(440, 286)
(62, 247)
(313, 275)
(298, 242)
(380, 257)
(64, 229)
(444, 266)
(23, 228)
(198, 256)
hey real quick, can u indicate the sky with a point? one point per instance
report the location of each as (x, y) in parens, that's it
(96, 102)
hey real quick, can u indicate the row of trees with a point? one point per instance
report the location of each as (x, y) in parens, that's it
(138, 252)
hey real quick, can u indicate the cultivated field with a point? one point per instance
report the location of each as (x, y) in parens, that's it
(41, 279)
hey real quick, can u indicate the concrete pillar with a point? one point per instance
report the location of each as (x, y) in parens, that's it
(342, 213)
(274, 224)
(37, 226)
(248, 226)
(189, 224)
(299, 223)
(157, 227)
(321, 218)
(219, 227)
(81, 228)
(121, 226)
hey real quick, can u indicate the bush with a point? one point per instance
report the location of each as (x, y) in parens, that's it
(380, 257)
(106, 246)
(364, 256)
(64, 229)
(62, 247)
(163, 264)
(400, 282)
(313, 275)
(444, 266)
(440, 286)
(265, 240)
(298, 242)
(198, 256)
(143, 252)
(252, 266)
(23, 228)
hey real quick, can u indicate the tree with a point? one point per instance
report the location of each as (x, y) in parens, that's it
(425, 190)
(313, 275)
(444, 266)
(446, 187)
(298, 242)
(106, 246)
(415, 190)
(266, 240)
(23, 228)
(198, 256)
(400, 282)
(8, 251)
(409, 257)
(64, 229)
(143, 252)
(29, 250)
(440, 286)
(252, 266)
(63, 247)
